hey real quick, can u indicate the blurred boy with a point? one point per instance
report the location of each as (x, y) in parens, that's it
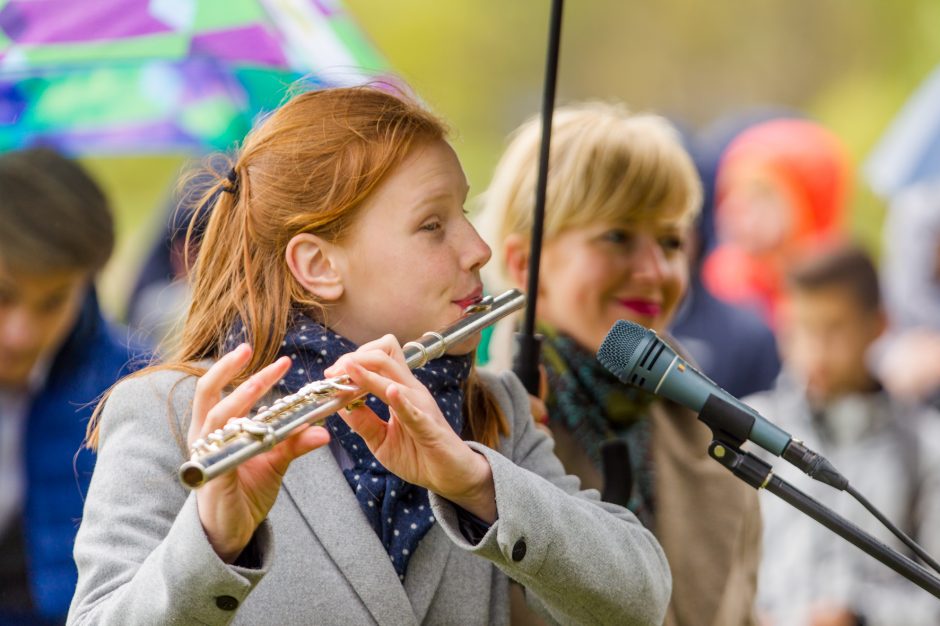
(890, 451)
(57, 355)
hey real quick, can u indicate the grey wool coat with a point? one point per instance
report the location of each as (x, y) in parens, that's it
(143, 557)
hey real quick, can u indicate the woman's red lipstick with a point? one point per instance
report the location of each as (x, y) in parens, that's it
(646, 308)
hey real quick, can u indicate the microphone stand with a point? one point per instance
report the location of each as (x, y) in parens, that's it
(529, 344)
(759, 474)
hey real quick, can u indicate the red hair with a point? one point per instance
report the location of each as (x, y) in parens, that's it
(307, 168)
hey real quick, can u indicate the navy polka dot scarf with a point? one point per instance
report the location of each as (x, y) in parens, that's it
(399, 512)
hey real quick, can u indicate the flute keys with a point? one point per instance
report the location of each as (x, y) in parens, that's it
(199, 447)
(355, 404)
(256, 428)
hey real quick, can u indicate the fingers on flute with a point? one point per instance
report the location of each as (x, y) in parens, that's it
(305, 440)
(389, 390)
(387, 344)
(362, 419)
(375, 361)
(374, 376)
(417, 421)
(210, 385)
(240, 401)
(366, 424)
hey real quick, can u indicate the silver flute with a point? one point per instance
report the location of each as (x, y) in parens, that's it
(244, 437)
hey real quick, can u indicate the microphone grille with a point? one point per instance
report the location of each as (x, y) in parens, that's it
(617, 350)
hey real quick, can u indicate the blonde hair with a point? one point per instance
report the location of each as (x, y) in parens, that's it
(307, 168)
(606, 164)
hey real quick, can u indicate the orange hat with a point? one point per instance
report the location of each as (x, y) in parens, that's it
(807, 161)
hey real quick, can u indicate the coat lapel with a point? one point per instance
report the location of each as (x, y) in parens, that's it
(317, 486)
(426, 570)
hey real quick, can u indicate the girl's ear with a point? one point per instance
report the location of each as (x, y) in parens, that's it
(312, 262)
(516, 253)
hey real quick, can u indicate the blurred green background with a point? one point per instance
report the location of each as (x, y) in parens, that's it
(848, 63)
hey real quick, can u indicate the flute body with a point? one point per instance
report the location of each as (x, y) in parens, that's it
(245, 437)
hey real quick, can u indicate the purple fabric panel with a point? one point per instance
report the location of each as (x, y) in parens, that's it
(70, 21)
(252, 44)
(208, 78)
(158, 137)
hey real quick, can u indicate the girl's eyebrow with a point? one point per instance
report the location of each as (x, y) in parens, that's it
(438, 197)
(432, 199)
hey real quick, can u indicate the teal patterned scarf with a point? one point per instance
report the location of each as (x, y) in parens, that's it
(595, 407)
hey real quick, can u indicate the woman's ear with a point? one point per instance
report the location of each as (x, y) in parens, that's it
(312, 262)
(516, 253)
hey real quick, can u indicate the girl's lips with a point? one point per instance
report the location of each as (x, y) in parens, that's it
(473, 298)
(647, 308)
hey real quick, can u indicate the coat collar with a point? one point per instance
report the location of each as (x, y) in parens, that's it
(317, 486)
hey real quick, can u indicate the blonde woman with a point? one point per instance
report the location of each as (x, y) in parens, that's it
(622, 196)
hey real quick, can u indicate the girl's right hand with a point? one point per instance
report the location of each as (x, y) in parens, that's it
(233, 505)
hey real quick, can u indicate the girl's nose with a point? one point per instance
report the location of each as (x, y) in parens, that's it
(477, 252)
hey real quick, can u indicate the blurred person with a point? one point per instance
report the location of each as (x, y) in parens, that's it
(730, 343)
(782, 189)
(339, 233)
(907, 358)
(57, 355)
(887, 448)
(622, 196)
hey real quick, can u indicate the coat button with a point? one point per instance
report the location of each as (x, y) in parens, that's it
(226, 603)
(518, 551)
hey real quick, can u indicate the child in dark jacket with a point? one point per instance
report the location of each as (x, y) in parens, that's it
(57, 355)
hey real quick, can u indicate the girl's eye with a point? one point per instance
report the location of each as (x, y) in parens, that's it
(431, 226)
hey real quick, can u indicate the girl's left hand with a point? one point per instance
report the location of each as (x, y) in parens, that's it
(416, 444)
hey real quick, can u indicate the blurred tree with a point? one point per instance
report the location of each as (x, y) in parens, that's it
(850, 63)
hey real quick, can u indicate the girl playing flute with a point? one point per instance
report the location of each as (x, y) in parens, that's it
(339, 233)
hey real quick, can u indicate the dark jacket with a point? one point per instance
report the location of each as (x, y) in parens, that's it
(58, 470)
(730, 344)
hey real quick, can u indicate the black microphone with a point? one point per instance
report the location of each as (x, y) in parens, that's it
(638, 357)
(618, 474)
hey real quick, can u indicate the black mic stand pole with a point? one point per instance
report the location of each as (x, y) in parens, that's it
(758, 474)
(528, 344)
